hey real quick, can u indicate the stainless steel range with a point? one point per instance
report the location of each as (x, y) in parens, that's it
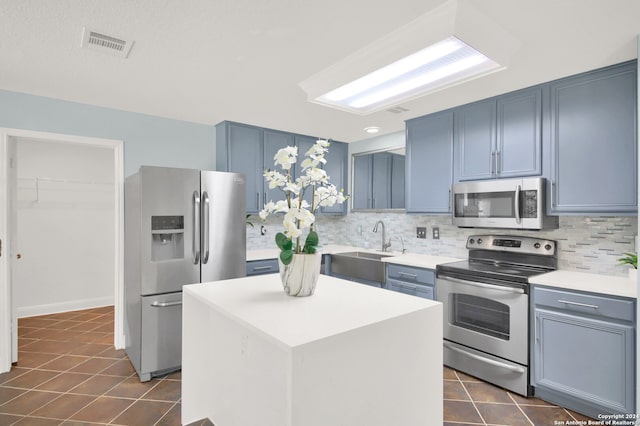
(486, 307)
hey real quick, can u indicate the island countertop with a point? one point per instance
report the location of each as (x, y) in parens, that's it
(337, 306)
(348, 355)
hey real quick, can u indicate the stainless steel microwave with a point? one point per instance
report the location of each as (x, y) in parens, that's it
(502, 203)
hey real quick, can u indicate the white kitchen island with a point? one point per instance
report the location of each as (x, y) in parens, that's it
(350, 355)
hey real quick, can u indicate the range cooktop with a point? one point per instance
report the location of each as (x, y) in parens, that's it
(506, 258)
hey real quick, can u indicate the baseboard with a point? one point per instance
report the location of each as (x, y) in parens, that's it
(55, 308)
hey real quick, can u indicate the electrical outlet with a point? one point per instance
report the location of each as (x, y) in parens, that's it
(421, 232)
(436, 233)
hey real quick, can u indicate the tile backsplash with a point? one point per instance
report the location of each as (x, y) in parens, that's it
(587, 244)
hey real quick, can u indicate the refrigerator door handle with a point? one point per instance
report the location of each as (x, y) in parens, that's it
(166, 304)
(195, 245)
(205, 227)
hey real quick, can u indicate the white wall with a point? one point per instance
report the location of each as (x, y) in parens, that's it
(384, 142)
(65, 227)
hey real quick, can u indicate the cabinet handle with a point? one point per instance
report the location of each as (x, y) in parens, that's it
(405, 274)
(584, 305)
(516, 203)
(493, 159)
(553, 194)
(258, 201)
(262, 268)
(535, 328)
(449, 200)
(497, 162)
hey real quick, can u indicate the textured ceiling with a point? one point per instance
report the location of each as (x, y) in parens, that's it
(211, 60)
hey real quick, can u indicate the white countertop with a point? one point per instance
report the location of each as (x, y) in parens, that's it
(262, 254)
(420, 260)
(337, 306)
(408, 259)
(570, 280)
(595, 283)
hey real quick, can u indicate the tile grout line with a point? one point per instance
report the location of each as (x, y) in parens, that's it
(96, 396)
(520, 408)
(61, 394)
(88, 357)
(140, 398)
(470, 398)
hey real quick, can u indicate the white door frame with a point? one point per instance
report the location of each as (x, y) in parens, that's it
(6, 308)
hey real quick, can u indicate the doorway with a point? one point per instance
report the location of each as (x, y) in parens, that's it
(61, 194)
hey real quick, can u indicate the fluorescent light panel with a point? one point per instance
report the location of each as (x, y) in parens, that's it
(442, 64)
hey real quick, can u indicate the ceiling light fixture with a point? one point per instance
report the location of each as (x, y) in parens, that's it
(446, 63)
(372, 129)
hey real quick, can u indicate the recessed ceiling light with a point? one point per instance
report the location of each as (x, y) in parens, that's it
(448, 62)
(372, 129)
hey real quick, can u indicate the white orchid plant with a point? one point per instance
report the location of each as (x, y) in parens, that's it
(299, 215)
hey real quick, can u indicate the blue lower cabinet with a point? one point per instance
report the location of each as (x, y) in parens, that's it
(261, 267)
(419, 290)
(409, 280)
(584, 351)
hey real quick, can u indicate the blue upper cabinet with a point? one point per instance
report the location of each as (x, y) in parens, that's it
(398, 164)
(429, 162)
(593, 142)
(499, 137)
(381, 183)
(475, 140)
(362, 178)
(519, 134)
(336, 168)
(249, 150)
(304, 144)
(274, 141)
(378, 181)
(239, 149)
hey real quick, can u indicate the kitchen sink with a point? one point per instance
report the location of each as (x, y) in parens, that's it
(359, 265)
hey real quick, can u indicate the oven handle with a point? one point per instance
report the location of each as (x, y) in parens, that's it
(483, 285)
(519, 370)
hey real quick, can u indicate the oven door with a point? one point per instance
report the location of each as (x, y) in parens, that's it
(487, 317)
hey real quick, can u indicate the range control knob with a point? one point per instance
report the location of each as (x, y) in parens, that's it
(547, 246)
(479, 240)
(471, 241)
(536, 245)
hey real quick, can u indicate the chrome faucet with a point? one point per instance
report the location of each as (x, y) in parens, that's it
(404, 250)
(385, 244)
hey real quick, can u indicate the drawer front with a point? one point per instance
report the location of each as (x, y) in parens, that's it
(420, 290)
(597, 305)
(161, 332)
(259, 267)
(409, 274)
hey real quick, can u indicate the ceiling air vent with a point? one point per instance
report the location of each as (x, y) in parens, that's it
(397, 110)
(106, 44)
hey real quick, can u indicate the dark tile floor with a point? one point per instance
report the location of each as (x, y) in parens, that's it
(470, 401)
(69, 374)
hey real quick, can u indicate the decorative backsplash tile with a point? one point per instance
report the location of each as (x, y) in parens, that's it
(588, 244)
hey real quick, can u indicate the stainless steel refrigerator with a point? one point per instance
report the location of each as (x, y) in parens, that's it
(182, 227)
